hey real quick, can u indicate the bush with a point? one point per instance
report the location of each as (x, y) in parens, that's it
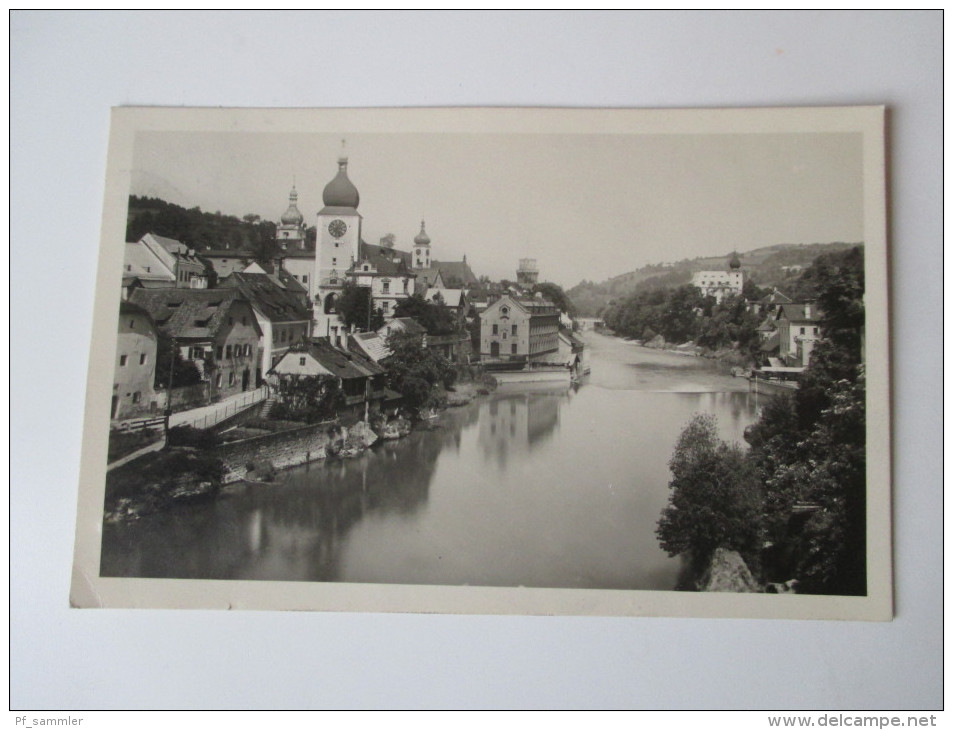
(195, 438)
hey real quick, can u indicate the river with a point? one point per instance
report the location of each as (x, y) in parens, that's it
(539, 487)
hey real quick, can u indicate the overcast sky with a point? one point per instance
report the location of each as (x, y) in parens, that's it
(584, 206)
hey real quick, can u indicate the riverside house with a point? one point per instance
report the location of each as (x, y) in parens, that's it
(799, 327)
(214, 328)
(280, 309)
(519, 330)
(135, 368)
(361, 379)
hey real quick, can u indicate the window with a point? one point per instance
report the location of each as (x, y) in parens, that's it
(218, 380)
(284, 335)
(218, 352)
(304, 279)
(802, 330)
(301, 361)
(136, 396)
(148, 269)
(247, 350)
(132, 324)
(128, 267)
(496, 329)
(142, 359)
(231, 378)
(122, 361)
(228, 351)
(385, 306)
(504, 311)
(514, 348)
(514, 330)
(385, 287)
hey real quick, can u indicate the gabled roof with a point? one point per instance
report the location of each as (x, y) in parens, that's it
(191, 313)
(456, 271)
(128, 308)
(139, 260)
(228, 253)
(345, 365)
(370, 344)
(806, 312)
(449, 297)
(402, 324)
(280, 276)
(268, 296)
(777, 297)
(772, 343)
(386, 261)
(371, 249)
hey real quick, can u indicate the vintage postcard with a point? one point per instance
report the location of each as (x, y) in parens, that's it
(532, 361)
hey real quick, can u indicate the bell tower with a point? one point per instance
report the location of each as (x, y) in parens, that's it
(336, 248)
(421, 256)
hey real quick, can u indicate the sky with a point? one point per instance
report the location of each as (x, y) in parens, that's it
(585, 206)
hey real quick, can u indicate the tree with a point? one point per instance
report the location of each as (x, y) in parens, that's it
(716, 498)
(308, 398)
(354, 305)
(415, 371)
(186, 372)
(436, 319)
(555, 294)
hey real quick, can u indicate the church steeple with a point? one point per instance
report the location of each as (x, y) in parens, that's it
(421, 257)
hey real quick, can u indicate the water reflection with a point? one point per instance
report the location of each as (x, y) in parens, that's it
(541, 488)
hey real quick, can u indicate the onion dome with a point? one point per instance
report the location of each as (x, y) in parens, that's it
(735, 262)
(340, 192)
(292, 216)
(422, 239)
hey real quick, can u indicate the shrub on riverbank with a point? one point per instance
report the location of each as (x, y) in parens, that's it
(156, 481)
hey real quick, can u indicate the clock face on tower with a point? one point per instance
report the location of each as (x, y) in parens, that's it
(337, 228)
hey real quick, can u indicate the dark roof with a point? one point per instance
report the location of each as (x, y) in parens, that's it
(127, 308)
(345, 365)
(281, 277)
(371, 250)
(387, 261)
(457, 271)
(190, 313)
(227, 253)
(268, 295)
(772, 343)
(409, 325)
(799, 312)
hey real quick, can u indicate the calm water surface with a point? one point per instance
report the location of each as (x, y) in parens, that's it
(544, 488)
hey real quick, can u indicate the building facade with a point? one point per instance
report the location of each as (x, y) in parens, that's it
(721, 284)
(135, 367)
(799, 329)
(519, 329)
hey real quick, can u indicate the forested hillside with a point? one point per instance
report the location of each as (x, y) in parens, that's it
(768, 266)
(200, 229)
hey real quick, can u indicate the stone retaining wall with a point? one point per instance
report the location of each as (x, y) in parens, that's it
(283, 449)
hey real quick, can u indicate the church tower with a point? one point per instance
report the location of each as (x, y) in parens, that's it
(421, 257)
(336, 248)
(290, 233)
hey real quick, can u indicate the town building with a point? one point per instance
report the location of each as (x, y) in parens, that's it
(519, 329)
(282, 315)
(361, 380)
(385, 272)
(721, 284)
(527, 275)
(214, 328)
(135, 368)
(798, 331)
(156, 262)
(368, 344)
(402, 325)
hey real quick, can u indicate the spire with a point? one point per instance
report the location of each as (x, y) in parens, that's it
(422, 239)
(340, 192)
(292, 216)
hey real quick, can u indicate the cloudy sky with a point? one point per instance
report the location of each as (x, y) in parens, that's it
(585, 206)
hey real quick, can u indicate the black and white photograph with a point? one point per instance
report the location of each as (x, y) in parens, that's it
(610, 361)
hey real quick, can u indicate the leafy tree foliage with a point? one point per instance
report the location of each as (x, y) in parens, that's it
(810, 448)
(185, 373)
(355, 307)
(415, 371)
(308, 398)
(716, 499)
(555, 294)
(436, 319)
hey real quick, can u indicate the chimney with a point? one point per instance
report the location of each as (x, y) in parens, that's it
(807, 311)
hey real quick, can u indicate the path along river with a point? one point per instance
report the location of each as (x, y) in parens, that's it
(541, 487)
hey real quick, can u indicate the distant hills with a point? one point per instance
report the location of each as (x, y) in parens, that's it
(777, 265)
